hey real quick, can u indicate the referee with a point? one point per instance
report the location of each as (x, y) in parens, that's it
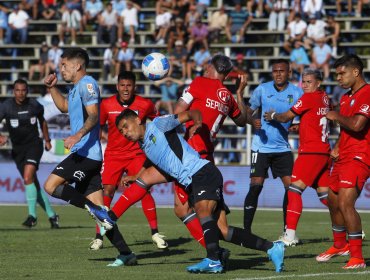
(22, 116)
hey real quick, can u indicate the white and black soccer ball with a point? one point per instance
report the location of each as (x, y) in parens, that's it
(155, 66)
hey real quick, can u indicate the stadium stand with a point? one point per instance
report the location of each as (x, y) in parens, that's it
(265, 45)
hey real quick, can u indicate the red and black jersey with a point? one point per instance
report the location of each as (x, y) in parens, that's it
(110, 108)
(215, 102)
(314, 128)
(356, 144)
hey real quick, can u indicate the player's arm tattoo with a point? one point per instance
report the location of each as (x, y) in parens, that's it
(91, 120)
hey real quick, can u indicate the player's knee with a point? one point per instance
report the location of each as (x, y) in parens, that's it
(49, 187)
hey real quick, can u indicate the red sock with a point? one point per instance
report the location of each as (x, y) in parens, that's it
(148, 205)
(192, 222)
(339, 236)
(107, 200)
(355, 244)
(324, 201)
(130, 196)
(294, 209)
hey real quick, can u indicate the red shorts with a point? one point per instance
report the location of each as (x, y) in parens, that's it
(312, 170)
(114, 166)
(348, 174)
(180, 191)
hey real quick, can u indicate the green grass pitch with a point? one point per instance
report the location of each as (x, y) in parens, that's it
(41, 253)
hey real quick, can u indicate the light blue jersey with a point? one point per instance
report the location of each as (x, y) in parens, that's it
(273, 136)
(169, 151)
(84, 93)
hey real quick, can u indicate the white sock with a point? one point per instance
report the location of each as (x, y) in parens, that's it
(289, 234)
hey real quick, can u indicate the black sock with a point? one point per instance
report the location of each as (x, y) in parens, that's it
(154, 230)
(98, 236)
(211, 237)
(246, 239)
(116, 238)
(69, 194)
(112, 215)
(250, 205)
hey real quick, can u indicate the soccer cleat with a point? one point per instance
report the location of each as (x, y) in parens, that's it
(332, 252)
(287, 242)
(54, 221)
(355, 263)
(30, 222)
(276, 255)
(96, 244)
(363, 235)
(100, 214)
(124, 260)
(224, 255)
(158, 239)
(206, 266)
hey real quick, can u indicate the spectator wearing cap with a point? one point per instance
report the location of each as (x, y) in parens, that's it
(110, 57)
(198, 36)
(108, 21)
(18, 26)
(40, 66)
(178, 59)
(162, 25)
(71, 23)
(200, 59)
(54, 57)
(129, 21)
(315, 31)
(217, 23)
(296, 31)
(124, 58)
(91, 11)
(299, 58)
(239, 20)
(175, 33)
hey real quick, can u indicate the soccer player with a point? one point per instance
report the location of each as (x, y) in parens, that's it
(122, 156)
(208, 95)
(311, 168)
(77, 178)
(351, 156)
(270, 147)
(171, 154)
(23, 115)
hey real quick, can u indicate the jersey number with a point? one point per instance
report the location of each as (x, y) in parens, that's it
(324, 129)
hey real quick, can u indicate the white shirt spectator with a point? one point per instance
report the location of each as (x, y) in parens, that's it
(313, 6)
(125, 55)
(316, 30)
(72, 19)
(18, 20)
(108, 56)
(163, 20)
(54, 56)
(130, 17)
(295, 28)
(109, 19)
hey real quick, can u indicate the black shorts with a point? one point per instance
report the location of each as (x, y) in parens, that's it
(281, 164)
(28, 154)
(81, 171)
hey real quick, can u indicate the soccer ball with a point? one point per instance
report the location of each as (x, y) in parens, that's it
(155, 66)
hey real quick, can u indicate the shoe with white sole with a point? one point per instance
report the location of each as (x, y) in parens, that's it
(287, 242)
(333, 252)
(96, 244)
(158, 239)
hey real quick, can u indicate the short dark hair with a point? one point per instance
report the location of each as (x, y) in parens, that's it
(127, 75)
(20, 81)
(314, 72)
(280, 61)
(222, 64)
(126, 114)
(78, 53)
(350, 60)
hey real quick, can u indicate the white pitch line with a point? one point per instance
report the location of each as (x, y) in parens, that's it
(306, 275)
